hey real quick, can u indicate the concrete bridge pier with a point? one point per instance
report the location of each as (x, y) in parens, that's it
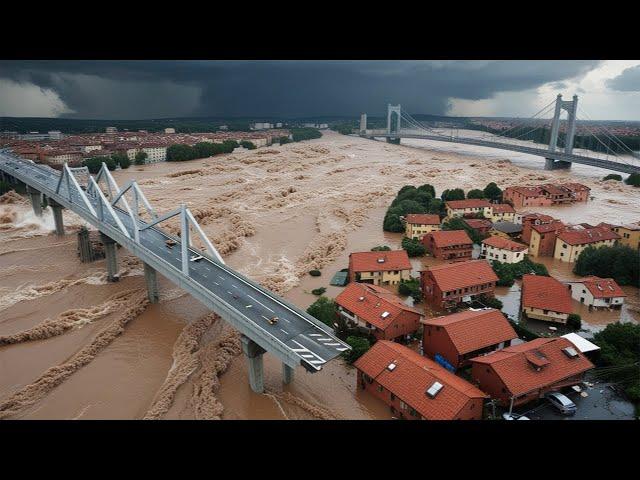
(57, 216)
(254, 353)
(36, 201)
(110, 247)
(151, 278)
(287, 374)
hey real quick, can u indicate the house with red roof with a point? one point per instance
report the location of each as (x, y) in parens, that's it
(480, 225)
(470, 207)
(446, 286)
(579, 192)
(557, 194)
(379, 268)
(545, 298)
(415, 387)
(572, 241)
(598, 293)
(418, 224)
(452, 245)
(465, 335)
(502, 212)
(521, 197)
(385, 315)
(503, 250)
(527, 220)
(521, 373)
(542, 240)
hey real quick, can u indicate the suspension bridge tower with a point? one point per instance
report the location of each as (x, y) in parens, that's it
(394, 112)
(571, 107)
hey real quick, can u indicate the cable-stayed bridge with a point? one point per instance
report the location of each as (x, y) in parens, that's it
(124, 216)
(618, 156)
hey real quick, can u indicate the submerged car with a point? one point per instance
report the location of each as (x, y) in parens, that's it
(562, 403)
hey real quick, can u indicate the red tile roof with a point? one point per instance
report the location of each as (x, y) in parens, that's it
(536, 216)
(554, 189)
(452, 276)
(602, 287)
(369, 302)
(545, 293)
(469, 203)
(503, 208)
(587, 235)
(448, 238)
(576, 187)
(380, 261)
(423, 219)
(532, 365)
(472, 330)
(413, 376)
(527, 191)
(504, 244)
(478, 222)
(548, 227)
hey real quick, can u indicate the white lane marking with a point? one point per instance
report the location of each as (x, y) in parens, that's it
(249, 306)
(230, 293)
(220, 277)
(284, 331)
(317, 361)
(264, 318)
(325, 339)
(332, 344)
(260, 303)
(217, 283)
(341, 349)
(315, 334)
(307, 350)
(306, 355)
(233, 286)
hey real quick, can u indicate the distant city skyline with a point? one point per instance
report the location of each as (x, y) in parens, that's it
(123, 90)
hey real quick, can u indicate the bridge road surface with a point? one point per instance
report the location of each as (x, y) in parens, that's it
(313, 344)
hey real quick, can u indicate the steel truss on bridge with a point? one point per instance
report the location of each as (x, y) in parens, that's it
(266, 321)
(554, 158)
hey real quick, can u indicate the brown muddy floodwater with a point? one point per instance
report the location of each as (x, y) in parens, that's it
(73, 346)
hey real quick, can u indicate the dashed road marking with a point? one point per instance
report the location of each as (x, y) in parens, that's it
(258, 301)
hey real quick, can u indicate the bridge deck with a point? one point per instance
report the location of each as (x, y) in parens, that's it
(541, 152)
(297, 337)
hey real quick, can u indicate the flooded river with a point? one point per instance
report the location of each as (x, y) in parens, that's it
(73, 346)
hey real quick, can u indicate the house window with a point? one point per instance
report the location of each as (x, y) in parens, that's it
(380, 388)
(392, 396)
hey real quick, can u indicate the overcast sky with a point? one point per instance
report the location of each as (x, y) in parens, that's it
(154, 89)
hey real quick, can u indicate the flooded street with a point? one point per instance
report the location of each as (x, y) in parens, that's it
(73, 346)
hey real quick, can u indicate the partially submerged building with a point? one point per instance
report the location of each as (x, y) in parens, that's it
(415, 387)
(598, 293)
(379, 268)
(545, 298)
(451, 245)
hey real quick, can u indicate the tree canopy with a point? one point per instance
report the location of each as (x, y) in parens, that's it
(493, 192)
(410, 200)
(619, 262)
(325, 310)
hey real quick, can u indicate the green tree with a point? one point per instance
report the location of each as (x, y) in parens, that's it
(94, 164)
(381, 248)
(359, 346)
(475, 193)
(633, 179)
(457, 223)
(319, 291)
(248, 145)
(619, 262)
(453, 194)
(325, 310)
(491, 302)
(414, 247)
(493, 192)
(300, 134)
(121, 159)
(508, 272)
(620, 355)
(613, 176)
(428, 189)
(141, 157)
(411, 287)
(574, 321)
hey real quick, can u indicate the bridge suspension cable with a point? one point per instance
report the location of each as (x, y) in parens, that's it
(610, 136)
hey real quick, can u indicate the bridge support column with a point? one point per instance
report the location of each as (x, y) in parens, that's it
(151, 278)
(36, 201)
(110, 247)
(363, 123)
(57, 217)
(254, 353)
(287, 374)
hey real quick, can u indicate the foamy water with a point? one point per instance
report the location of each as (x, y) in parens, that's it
(274, 214)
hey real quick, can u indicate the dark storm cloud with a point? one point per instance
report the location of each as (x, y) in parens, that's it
(627, 81)
(138, 89)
